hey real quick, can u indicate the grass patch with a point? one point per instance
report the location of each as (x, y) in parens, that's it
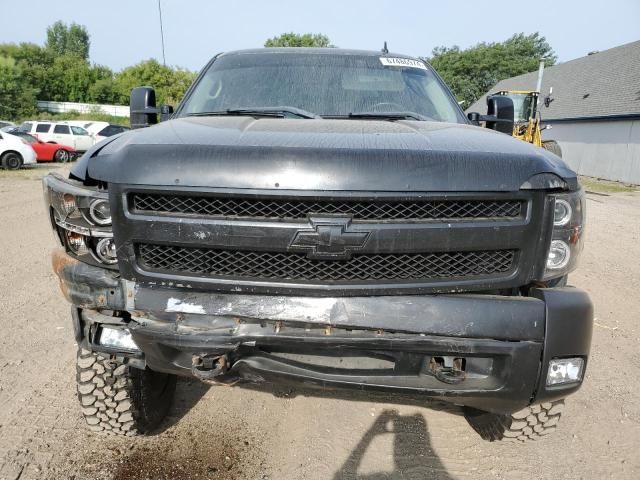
(606, 186)
(35, 172)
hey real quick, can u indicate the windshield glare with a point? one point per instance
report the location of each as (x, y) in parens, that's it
(324, 84)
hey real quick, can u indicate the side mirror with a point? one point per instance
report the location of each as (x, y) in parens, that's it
(475, 118)
(499, 114)
(142, 107)
(165, 112)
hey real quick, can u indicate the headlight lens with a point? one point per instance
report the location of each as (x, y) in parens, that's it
(81, 217)
(567, 239)
(559, 255)
(562, 212)
(69, 205)
(106, 251)
(76, 243)
(99, 212)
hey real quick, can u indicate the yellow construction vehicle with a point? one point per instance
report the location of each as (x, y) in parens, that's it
(526, 115)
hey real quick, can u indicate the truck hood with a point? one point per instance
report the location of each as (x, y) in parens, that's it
(323, 154)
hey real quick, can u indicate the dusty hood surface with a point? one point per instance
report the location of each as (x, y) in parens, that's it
(291, 154)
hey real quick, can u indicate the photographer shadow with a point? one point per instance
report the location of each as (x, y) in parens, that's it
(188, 394)
(413, 455)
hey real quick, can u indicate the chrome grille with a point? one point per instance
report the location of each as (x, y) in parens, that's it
(296, 266)
(284, 208)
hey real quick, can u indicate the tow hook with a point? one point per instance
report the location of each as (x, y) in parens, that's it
(209, 367)
(448, 370)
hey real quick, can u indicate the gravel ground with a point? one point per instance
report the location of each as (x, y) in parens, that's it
(229, 433)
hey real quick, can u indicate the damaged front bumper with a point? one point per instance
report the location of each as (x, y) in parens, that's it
(483, 351)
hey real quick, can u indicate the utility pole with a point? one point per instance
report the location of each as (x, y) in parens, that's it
(164, 61)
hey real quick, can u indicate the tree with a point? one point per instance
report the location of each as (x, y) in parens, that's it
(25, 80)
(69, 80)
(170, 83)
(317, 40)
(17, 100)
(60, 71)
(103, 86)
(470, 73)
(70, 40)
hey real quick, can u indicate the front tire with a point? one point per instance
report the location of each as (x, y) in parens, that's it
(119, 399)
(12, 161)
(528, 424)
(61, 156)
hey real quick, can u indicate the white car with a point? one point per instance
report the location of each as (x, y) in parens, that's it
(15, 152)
(99, 130)
(60, 132)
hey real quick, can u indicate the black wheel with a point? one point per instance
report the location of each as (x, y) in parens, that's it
(11, 160)
(119, 399)
(530, 423)
(553, 147)
(61, 156)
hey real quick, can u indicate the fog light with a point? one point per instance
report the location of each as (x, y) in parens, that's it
(117, 338)
(565, 370)
(559, 255)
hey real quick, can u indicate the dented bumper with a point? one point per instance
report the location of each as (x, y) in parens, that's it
(501, 344)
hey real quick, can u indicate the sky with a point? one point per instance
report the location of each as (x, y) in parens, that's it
(125, 32)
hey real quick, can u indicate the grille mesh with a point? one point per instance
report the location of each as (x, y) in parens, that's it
(296, 266)
(300, 208)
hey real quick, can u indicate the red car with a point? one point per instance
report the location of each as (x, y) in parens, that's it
(47, 152)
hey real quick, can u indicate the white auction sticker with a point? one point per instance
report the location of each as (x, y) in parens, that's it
(402, 62)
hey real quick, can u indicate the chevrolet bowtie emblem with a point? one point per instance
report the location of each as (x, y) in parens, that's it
(329, 239)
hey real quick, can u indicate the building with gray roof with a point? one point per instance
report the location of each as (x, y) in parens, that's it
(595, 112)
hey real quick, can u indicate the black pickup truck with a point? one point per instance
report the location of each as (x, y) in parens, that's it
(325, 219)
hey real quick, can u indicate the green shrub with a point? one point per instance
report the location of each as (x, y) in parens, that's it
(95, 116)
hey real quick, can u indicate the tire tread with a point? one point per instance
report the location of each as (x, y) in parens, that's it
(528, 424)
(119, 399)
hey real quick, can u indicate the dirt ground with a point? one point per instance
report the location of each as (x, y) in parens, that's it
(228, 433)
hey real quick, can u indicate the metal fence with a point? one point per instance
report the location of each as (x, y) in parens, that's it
(61, 107)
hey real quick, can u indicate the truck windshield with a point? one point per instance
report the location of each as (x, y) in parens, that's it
(328, 85)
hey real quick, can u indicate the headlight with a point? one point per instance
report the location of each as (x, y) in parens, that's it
(559, 255)
(561, 212)
(106, 251)
(81, 219)
(567, 239)
(99, 212)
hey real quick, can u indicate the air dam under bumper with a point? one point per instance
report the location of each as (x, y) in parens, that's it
(385, 343)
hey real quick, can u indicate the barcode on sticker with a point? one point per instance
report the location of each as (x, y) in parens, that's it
(402, 62)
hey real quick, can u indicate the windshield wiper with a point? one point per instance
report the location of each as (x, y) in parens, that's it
(278, 112)
(382, 115)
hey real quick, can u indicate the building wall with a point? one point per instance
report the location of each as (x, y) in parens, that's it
(608, 149)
